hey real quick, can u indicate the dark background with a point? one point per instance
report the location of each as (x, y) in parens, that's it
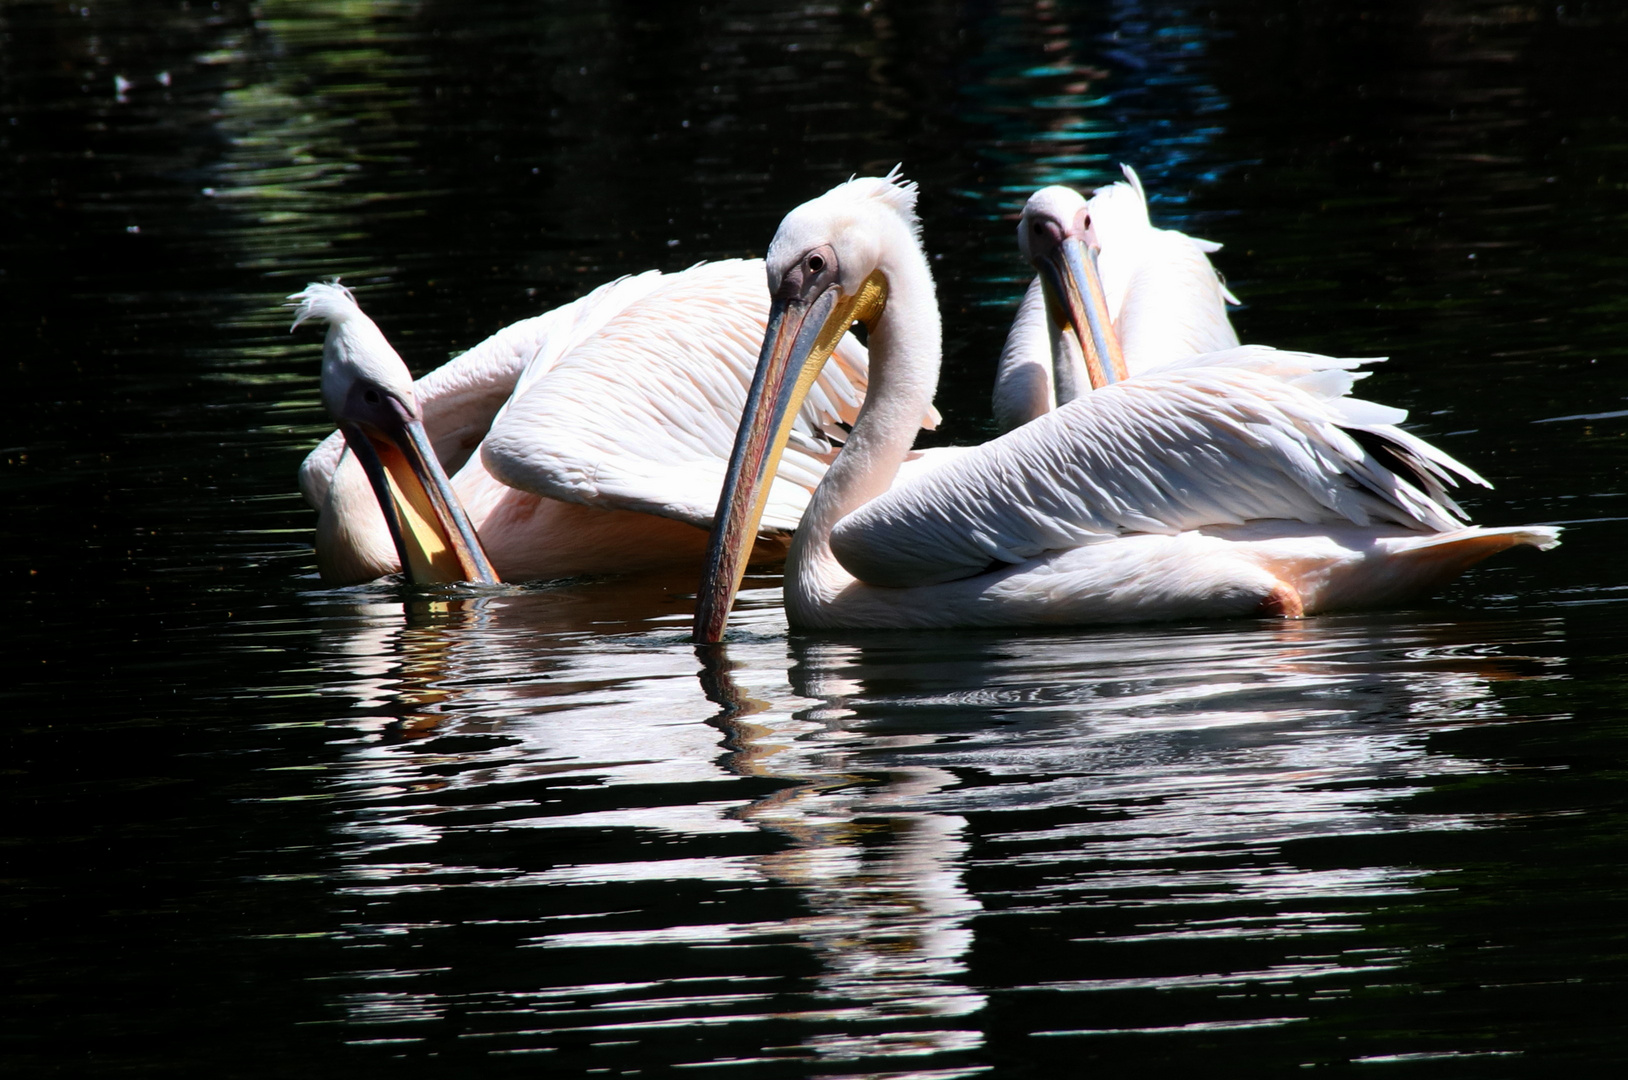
(255, 827)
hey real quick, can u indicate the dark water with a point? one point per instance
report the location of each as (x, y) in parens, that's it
(258, 827)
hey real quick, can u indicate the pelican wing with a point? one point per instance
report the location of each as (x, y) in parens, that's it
(1243, 435)
(642, 415)
(1174, 304)
(1166, 298)
(461, 398)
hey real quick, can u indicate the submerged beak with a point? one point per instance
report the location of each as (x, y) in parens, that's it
(432, 533)
(805, 325)
(1068, 275)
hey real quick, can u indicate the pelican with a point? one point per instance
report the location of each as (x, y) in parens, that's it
(590, 439)
(1164, 299)
(1244, 482)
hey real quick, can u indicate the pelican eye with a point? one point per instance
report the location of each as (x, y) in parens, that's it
(815, 264)
(1046, 231)
(371, 397)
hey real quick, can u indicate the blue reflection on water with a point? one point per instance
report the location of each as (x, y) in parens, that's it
(1125, 86)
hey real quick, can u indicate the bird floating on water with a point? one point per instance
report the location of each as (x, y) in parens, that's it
(591, 439)
(1164, 299)
(1241, 482)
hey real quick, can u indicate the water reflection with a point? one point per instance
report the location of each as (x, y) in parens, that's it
(1062, 93)
(537, 832)
(877, 805)
(888, 911)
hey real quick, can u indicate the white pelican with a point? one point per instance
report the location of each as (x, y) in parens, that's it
(590, 439)
(1243, 483)
(1164, 299)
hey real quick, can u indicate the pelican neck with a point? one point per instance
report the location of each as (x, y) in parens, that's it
(906, 345)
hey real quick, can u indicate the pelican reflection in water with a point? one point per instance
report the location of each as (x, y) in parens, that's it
(1234, 483)
(570, 811)
(591, 439)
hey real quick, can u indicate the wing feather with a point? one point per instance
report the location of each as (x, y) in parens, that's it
(643, 415)
(1248, 434)
(1166, 298)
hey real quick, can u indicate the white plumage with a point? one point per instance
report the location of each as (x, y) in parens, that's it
(1222, 443)
(1234, 483)
(1164, 298)
(584, 440)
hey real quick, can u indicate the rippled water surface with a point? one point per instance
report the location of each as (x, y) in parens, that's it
(255, 826)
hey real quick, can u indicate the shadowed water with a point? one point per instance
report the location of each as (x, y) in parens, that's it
(256, 826)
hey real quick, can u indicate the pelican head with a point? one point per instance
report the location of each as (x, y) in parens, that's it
(829, 264)
(368, 391)
(1055, 235)
(828, 267)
